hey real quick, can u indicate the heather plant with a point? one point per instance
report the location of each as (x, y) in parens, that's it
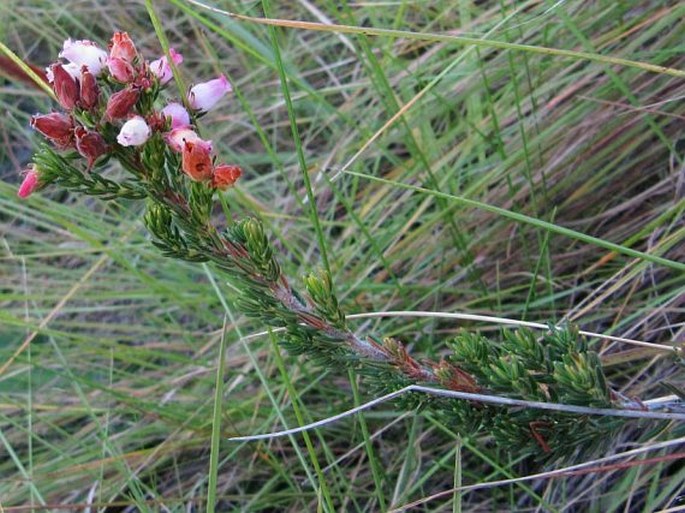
(110, 110)
(486, 163)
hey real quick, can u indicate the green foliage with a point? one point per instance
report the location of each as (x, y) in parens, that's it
(60, 170)
(580, 380)
(320, 289)
(250, 232)
(554, 367)
(168, 238)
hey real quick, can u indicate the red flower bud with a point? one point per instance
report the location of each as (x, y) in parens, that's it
(225, 176)
(30, 184)
(196, 161)
(90, 145)
(58, 128)
(122, 47)
(120, 104)
(65, 87)
(90, 91)
(121, 70)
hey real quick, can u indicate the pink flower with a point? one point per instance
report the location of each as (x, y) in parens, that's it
(30, 183)
(122, 47)
(178, 114)
(161, 67)
(177, 138)
(85, 53)
(122, 70)
(205, 95)
(134, 132)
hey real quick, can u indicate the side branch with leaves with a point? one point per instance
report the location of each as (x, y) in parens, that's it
(109, 101)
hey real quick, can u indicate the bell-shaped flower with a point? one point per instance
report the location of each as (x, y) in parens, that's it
(85, 53)
(178, 114)
(134, 132)
(204, 96)
(122, 70)
(177, 138)
(161, 67)
(225, 176)
(90, 92)
(196, 162)
(65, 86)
(58, 128)
(90, 144)
(30, 183)
(122, 47)
(120, 104)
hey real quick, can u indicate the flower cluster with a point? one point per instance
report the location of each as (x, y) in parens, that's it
(108, 99)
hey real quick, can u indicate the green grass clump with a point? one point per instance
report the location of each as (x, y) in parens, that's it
(109, 351)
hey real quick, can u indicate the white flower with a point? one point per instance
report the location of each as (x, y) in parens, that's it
(85, 53)
(134, 132)
(205, 95)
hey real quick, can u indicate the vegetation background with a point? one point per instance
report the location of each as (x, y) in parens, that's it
(110, 405)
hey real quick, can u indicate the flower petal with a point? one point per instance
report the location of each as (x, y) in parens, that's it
(122, 47)
(122, 70)
(225, 176)
(177, 138)
(90, 144)
(204, 96)
(161, 68)
(85, 53)
(65, 86)
(197, 162)
(30, 183)
(120, 104)
(134, 132)
(178, 114)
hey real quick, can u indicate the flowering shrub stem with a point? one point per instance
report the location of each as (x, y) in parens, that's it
(115, 116)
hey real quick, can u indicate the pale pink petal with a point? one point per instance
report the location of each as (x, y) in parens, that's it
(161, 67)
(178, 114)
(205, 95)
(122, 71)
(85, 53)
